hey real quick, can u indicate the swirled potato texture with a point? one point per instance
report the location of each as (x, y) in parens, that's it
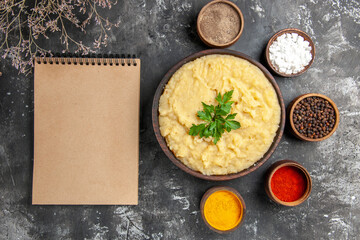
(255, 102)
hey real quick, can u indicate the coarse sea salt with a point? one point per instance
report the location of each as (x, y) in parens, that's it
(290, 53)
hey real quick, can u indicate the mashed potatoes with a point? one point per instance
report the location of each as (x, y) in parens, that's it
(255, 102)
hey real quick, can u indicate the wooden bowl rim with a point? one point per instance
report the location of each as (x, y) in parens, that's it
(281, 32)
(162, 141)
(292, 107)
(216, 189)
(224, 45)
(279, 164)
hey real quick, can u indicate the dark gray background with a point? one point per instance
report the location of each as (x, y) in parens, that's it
(162, 33)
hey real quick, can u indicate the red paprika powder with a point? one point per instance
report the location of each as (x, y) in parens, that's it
(288, 184)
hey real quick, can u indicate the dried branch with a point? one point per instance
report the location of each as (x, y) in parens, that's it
(22, 27)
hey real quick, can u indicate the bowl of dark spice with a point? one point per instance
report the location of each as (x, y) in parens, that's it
(313, 117)
(288, 183)
(220, 23)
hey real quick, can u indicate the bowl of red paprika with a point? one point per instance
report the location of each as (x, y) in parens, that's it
(288, 183)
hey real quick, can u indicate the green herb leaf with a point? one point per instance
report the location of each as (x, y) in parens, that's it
(204, 115)
(219, 99)
(209, 108)
(201, 133)
(226, 108)
(216, 138)
(227, 96)
(218, 118)
(207, 132)
(212, 126)
(231, 116)
(232, 124)
(195, 129)
(220, 112)
(220, 128)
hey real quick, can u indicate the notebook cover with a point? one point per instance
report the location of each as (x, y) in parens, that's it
(86, 134)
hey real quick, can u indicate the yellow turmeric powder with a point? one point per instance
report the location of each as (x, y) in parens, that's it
(223, 210)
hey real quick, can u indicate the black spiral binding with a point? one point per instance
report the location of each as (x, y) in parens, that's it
(100, 59)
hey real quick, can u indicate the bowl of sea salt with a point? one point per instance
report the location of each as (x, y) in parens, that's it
(290, 52)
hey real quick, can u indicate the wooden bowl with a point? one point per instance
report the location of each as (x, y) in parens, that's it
(222, 188)
(276, 35)
(207, 41)
(290, 111)
(162, 141)
(277, 165)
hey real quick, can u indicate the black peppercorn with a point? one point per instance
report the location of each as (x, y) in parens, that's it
(314, 117)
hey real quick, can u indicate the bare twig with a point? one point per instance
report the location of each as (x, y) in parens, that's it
(44, 17)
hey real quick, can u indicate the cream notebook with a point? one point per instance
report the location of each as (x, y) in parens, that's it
(86, 131)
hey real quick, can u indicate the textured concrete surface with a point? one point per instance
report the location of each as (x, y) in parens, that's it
(162, 33)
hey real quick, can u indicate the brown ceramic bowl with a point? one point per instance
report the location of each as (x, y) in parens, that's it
(222, 188)
(276, 35)
(277, 165)
(209, 42)
(290, 111)
(162, 141)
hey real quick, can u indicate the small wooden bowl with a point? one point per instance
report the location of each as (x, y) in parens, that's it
(276, 35)
(162, 141)
(222, 188)
(277, 165)
(290, 110)
(201, 34)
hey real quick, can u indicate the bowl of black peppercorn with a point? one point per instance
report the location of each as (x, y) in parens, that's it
(313, 117)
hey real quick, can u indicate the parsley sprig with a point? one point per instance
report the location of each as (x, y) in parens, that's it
(217, 118)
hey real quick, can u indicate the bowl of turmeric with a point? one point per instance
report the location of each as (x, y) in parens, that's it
(222, 209)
